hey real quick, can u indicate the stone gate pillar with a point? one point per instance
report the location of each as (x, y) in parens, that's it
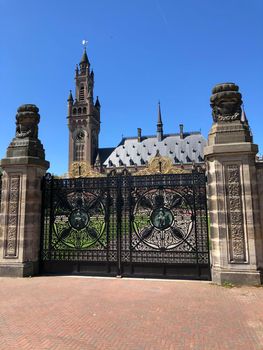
(235, 231)
(20, 215)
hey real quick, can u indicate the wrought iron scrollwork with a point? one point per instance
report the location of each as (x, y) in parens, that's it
(0, 187)
(79, 221)
(162, 219)
(125, 220)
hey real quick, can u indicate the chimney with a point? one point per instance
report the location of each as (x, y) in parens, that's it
(181, 131)
(139, 132)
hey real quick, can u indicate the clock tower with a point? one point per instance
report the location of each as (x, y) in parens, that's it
(83, 117)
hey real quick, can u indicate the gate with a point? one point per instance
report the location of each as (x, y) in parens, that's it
(0, 188)
(149, 226)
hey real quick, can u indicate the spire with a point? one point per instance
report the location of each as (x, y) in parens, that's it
(97, 103)
(97, 161)
(159, 115)
(159, 124)
(84, 58)
(77, 70)
(70, 97)
(84, 63)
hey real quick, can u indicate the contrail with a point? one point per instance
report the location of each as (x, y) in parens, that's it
(161, 12)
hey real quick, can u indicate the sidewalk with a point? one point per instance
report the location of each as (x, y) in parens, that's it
(123, 314)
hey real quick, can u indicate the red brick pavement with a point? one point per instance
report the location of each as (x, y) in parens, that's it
(123, 314)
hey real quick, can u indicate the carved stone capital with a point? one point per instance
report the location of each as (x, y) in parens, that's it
(27, 120)
(226, 102)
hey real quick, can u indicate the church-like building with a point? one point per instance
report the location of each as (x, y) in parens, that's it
(181, 150)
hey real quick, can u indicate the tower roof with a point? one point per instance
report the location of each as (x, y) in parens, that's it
(84, 58)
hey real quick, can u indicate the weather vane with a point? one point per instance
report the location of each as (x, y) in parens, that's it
(84, 43)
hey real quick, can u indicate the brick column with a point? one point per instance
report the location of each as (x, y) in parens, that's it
(235, 230)
(20, 218)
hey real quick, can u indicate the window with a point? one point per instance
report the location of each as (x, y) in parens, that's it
(79, 146)
(81, 93)
(79, 152)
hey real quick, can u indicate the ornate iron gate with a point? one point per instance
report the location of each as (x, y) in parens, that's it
(0, 188)
(154, 225)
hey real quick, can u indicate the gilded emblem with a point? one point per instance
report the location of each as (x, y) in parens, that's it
(83, 169)
(161, 165)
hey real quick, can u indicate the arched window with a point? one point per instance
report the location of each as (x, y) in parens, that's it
(84, 110)
(81, 93)
(79, 152)
(79, 146)
(79, 110)
(74, 110)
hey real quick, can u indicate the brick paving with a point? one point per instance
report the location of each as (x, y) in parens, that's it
(123, 314)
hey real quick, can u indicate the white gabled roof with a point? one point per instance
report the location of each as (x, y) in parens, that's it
(180, 150)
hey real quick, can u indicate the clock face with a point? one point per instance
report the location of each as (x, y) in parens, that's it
(80, 135)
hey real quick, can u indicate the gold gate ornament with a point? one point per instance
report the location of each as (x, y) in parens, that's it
(83, 169)
(161, 165)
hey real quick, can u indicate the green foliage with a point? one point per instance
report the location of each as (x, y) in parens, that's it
(80, 239)
(140, 221)
(226, 284)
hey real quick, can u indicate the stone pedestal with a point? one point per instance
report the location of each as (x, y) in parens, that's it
(20, 218)
(235, 227)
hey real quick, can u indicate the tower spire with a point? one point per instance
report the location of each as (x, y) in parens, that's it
(84, 62)
(83, 116)
(159, 124)
(84, 58)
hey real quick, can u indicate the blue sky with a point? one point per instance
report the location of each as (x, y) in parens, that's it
(142, 51)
